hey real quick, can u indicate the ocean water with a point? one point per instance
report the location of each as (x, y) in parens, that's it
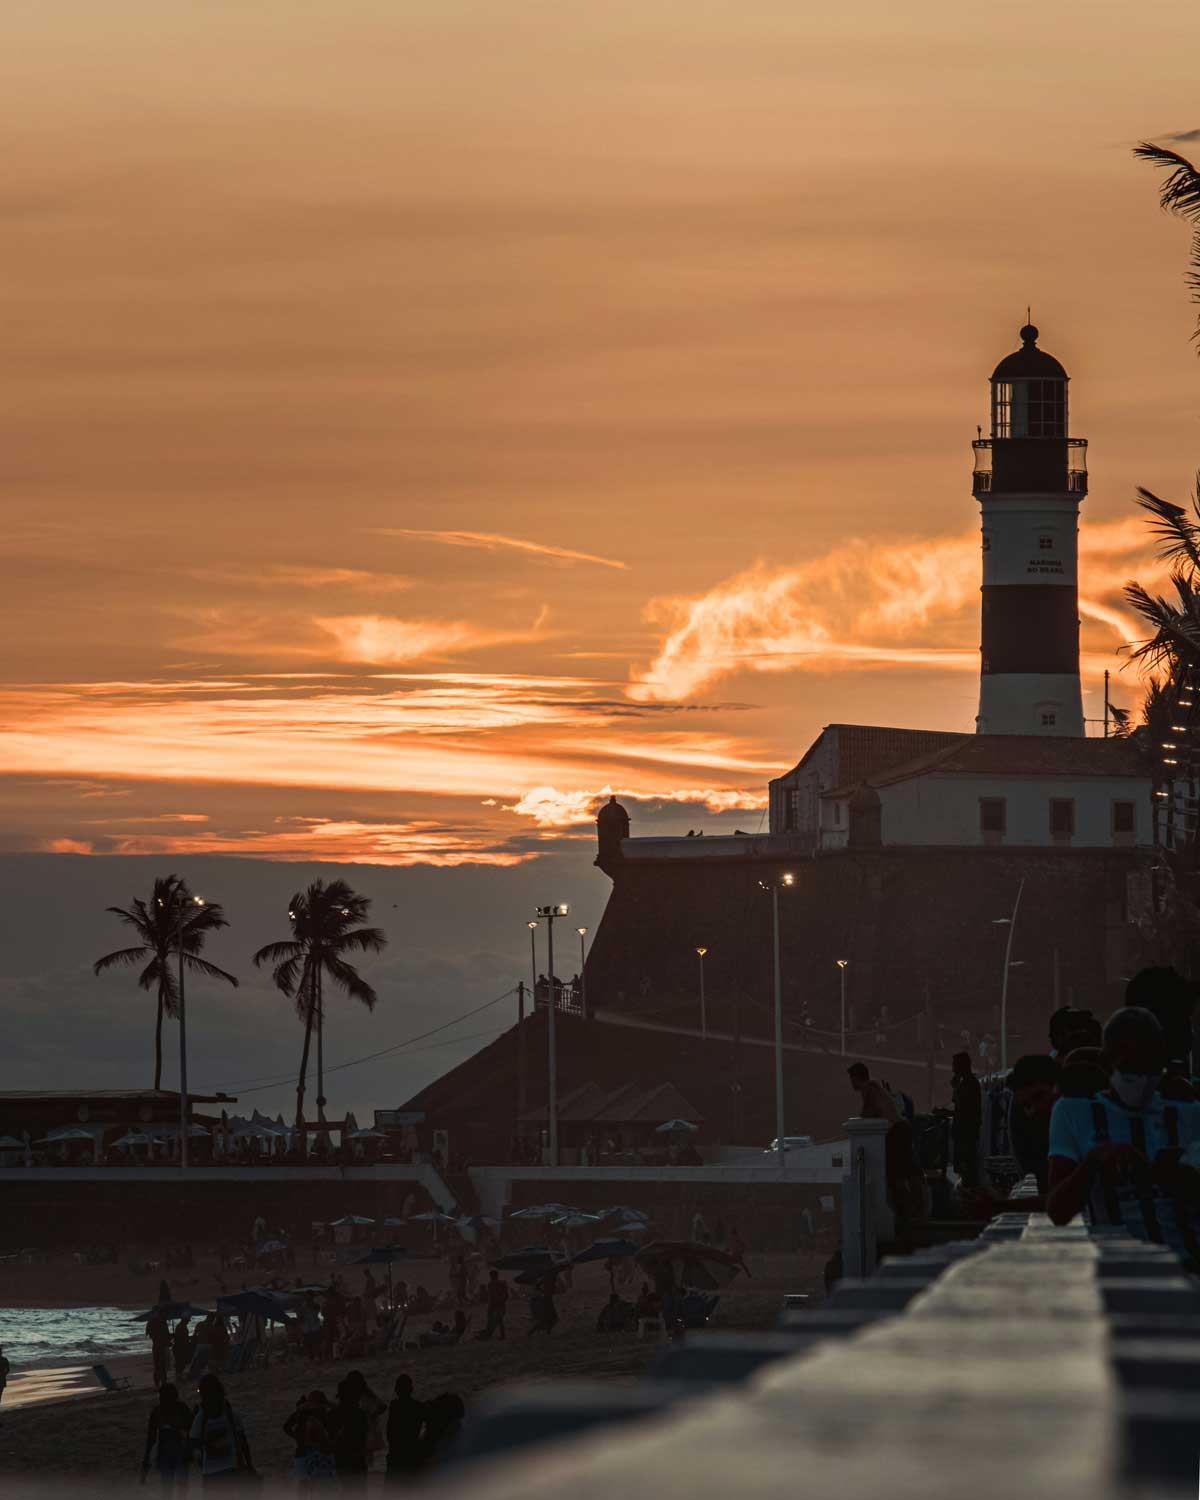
(39, 1337)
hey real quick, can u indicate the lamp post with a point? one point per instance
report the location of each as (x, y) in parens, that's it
(700, 952)
(582, 931)
(548, 913)
(786, 881)
(185, 916)
(521, 1094)
(843, 964)
(1011, 924)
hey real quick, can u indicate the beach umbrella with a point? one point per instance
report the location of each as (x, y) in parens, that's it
(170, 1310)
(10, 1143)
(695, 1265)
(351, 1219)
(542, 1211)
(576, 1220)
(264, 1304)
(608, 1249)
(64, 1135)
(135, 1138)
(533, 1258)
(383, 1255)
(676, 1127)
(632, 1226)
(367, 1135)
(434, 1216)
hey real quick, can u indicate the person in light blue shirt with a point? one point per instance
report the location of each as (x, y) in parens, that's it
(1119, 1155)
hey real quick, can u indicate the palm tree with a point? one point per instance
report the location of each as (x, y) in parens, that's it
(324, 922)
(164, 925)
(1170, 717)
(1179, 194)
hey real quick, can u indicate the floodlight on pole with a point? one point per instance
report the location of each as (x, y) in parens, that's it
(785, 881)
(548, 914)
(1011, 924)
(843, 964)
(582, 931)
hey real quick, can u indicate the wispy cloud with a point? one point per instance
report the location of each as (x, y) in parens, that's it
(464, 734)
(305, 576)
(490, 541)
(382, 640)
(550, 808)
(329, 840)
(862, 605)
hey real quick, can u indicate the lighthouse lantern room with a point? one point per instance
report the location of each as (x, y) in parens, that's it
(1030, 476)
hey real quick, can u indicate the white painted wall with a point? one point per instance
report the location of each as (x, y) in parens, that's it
(1012, 530)
(1014, 703)
(944, 809)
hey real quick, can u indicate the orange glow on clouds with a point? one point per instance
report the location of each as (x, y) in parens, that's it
(489, 541)
(862, 605)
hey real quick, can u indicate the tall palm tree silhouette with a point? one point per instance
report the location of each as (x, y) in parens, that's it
(1170, 717)
(325, 928)
(157, 923)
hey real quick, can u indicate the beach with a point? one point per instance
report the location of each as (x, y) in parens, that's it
(56, 1424)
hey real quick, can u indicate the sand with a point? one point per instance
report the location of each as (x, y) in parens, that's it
(52, 1430)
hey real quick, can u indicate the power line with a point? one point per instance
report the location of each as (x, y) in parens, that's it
(371, 1056)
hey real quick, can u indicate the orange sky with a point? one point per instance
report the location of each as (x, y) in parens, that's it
(421, 418)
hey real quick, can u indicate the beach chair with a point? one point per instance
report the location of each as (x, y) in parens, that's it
(109, 1381)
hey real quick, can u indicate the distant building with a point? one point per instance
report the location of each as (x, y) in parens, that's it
(993, 790)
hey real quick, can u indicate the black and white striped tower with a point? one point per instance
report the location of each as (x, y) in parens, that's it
(1029, 479)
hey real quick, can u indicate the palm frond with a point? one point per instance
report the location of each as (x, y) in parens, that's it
(202, 966)
(363, 940)
(122, 958)
(274, 953)
(1180, 193)
(347, 978)
(1177, 535)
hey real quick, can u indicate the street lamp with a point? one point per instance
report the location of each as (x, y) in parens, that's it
(521, 1094)
(785, 881)
(185, 916)
(548, 914)
(582, 931)
(700, 952)
(1011, 924)
(843, 964)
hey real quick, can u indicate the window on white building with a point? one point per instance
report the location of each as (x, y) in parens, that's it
(837, 814)
(1124, 819)
(1049, 719)
(1062, 817)
(993, 815)
(1045, 544)
(792, 813)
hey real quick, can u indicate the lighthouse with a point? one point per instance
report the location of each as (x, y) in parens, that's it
(1030, 476)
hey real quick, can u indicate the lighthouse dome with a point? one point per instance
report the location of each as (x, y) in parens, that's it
(1029, 362)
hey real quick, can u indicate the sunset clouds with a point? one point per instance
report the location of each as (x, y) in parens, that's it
(418, 425)
(869, 605)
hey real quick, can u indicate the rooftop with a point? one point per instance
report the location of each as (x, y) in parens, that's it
(1015, 755)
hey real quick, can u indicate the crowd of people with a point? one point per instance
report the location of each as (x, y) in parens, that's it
(334, 1441)
(1107, 1120)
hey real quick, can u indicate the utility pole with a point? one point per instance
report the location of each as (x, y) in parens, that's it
(521, 1100)
(931, 1044)
(1106, 703)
